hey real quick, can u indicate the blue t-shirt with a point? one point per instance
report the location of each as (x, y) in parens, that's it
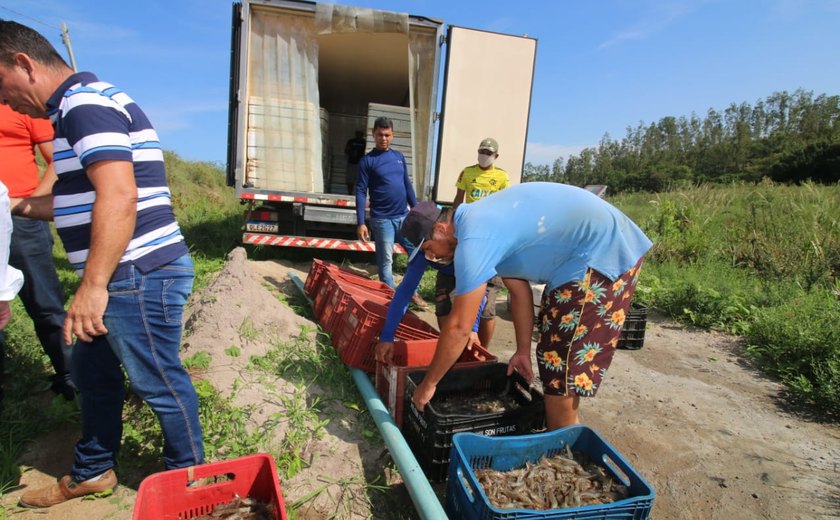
(545, 233)
(385, 175)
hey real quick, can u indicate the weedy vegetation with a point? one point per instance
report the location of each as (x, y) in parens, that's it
(760, 261)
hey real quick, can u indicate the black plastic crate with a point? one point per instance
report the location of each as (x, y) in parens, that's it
(633, 333)
(436, 470)
(429, 433)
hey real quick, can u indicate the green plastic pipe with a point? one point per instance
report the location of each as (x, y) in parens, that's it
(422, 494)
(425, 500)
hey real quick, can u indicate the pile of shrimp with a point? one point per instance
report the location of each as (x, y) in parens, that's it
(475, 404)
(564, 480)
(241, 509)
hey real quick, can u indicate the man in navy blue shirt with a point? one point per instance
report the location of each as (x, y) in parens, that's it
(383, 173)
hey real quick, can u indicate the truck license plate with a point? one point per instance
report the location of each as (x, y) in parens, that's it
(262, 227)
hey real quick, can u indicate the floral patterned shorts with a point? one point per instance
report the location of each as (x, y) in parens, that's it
(579, 326)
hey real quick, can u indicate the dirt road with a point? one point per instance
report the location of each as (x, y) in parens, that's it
(713, 437)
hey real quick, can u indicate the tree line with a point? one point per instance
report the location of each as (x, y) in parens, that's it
(788, 138)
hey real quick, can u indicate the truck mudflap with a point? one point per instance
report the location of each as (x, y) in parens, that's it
(259, 239)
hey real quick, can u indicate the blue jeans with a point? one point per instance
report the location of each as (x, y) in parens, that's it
(385, 232)
(143, 318)
(31, 251)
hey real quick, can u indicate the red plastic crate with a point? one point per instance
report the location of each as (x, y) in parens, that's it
(333, 277)
(334, 291)
(167, 496)
(317, 271)
(372, 288)
(336, 300)
(360, 324)
(417, 355)
(365, 283)
(325, 287)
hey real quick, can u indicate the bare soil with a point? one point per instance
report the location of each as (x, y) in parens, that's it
(714, 437)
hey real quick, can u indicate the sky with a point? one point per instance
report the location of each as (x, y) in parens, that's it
(602, 66)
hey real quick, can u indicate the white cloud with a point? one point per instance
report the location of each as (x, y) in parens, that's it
(663, 15)
(178, 117)
(542, 153)
(502, 25)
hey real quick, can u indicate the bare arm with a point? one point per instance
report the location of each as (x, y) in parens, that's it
(113, 218)
(39, 208)
(39, 205)
(522, 311)
(49, 177)
(453, 339)
(459, 199)
(5, 314)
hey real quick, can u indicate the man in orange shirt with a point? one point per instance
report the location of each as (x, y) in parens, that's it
(32, 241)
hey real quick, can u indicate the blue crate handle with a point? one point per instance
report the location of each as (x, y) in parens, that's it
(465, 484)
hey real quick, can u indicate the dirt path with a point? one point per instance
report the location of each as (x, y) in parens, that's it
(708, 432)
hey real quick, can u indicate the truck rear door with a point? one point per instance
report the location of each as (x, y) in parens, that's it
(486, 93)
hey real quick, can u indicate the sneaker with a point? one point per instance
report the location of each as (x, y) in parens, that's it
(67, 489)
(418, 300)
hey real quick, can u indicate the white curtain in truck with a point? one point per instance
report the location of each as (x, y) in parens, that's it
(421, 48)
(284, 131)
(331, 18)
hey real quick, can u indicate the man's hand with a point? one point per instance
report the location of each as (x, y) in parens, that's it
(521, 362)
(423, 394)
(84, 317)
(362, 233)
(5, 314)
(384, 352)
(473, 342)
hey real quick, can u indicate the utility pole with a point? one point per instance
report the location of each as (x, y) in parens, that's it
(65, 37)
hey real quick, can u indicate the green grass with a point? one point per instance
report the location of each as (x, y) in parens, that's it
(762, 261)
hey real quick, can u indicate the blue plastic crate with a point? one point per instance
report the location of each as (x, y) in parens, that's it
(465, 498)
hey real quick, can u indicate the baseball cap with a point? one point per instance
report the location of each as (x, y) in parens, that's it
(489, 143)
(419, 224)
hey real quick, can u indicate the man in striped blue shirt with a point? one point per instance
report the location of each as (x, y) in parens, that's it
(112, 209)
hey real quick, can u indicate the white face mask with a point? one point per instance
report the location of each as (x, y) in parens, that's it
(485, 160)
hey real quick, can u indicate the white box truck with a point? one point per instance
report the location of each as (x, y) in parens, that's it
(306, 76)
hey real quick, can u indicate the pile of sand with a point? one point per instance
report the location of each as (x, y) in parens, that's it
(241, 309)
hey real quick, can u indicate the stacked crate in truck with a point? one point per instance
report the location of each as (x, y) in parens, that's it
(272, 161)
(338, 177)
(342, 128)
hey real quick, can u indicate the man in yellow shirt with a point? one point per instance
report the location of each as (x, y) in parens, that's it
(474, 183)
(482, 179)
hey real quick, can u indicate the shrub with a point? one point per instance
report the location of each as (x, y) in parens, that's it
(799, 342)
